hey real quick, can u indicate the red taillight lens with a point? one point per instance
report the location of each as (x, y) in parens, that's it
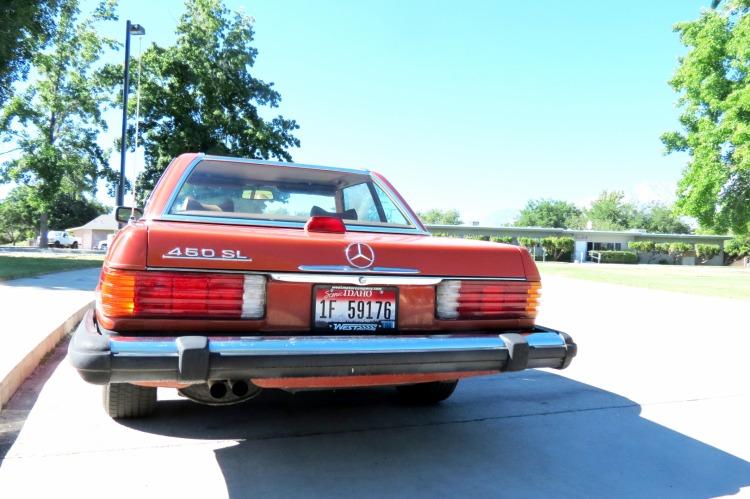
(181, 294)
(325, 224)
(487, 299)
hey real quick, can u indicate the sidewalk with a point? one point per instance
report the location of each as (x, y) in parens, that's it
(37, 312)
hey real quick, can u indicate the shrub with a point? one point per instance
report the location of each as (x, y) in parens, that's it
(678, 250)
(662, 248)
(644, 246)
(617, 256)
(441, 234)
(477, 237)
(706, 252)
(502, 239)
(558, 247)
(527, 242)
(737, 247)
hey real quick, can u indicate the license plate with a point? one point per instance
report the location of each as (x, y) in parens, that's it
(354, 308)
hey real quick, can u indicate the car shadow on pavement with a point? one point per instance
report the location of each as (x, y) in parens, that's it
(525, 434)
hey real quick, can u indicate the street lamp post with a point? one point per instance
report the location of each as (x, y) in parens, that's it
(130, 29)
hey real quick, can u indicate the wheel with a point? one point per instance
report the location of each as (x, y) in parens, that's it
(123, 400)
(57, 244)
(426, 393)
(74, 245)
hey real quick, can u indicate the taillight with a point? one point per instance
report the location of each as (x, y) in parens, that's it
(124, 293)
(487, 299)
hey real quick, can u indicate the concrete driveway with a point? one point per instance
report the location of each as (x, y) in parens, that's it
(655, 405)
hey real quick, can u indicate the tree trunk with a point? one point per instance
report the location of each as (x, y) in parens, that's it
(43, 230)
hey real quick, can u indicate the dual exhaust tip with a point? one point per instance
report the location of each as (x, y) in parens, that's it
(219, 389)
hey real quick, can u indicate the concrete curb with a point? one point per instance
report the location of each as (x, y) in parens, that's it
(26, 366)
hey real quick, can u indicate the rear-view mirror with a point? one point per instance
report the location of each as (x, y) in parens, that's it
(123, 214)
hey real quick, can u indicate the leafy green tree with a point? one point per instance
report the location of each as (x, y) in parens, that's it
(610, 212)
(56, 121)
(660, 218)
(549, 213)
(440, 217)
(20, 210)
(713, 82)
(25, 27)
(17, 218)
(200, 94)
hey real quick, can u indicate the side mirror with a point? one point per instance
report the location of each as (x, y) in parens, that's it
(123, 214)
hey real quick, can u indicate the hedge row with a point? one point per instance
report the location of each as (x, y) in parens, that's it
(617, 256)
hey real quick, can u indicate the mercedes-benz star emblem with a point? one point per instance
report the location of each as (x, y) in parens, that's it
(360, 255)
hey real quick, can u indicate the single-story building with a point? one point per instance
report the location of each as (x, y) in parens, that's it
(96, 230)
(588, 240)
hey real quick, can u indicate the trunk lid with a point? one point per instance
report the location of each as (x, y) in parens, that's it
(188, 245)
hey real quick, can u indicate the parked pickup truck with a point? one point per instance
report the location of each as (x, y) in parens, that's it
(242, 274)
(61, 239)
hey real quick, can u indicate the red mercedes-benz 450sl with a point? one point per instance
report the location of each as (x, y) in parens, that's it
(243, 274)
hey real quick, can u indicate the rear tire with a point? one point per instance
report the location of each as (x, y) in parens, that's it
(426, 393)
(123, 400)
(74, 245)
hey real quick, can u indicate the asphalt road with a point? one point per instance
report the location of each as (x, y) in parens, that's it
(656, 405)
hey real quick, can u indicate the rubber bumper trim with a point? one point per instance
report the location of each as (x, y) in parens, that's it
(104, 358)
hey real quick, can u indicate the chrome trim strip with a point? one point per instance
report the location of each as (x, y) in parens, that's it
(357, 280)
(357, 270)
(281, 223)
(332, 278)
(213, 258)
(331, 345)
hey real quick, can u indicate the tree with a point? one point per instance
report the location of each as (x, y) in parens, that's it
(200, 94)
(549, 213)
(20, 211)
(610, 212)
(713, 82)
(440, 217)
(660, 218)
(56, 121)
(25, 27)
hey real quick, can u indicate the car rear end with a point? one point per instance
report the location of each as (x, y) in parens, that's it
(233, 281)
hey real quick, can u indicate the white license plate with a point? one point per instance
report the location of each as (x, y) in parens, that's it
(354, 308)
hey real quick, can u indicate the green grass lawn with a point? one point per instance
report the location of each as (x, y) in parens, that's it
(17, 265)
(726, 282)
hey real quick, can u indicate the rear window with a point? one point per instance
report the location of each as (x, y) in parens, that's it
(225, 189)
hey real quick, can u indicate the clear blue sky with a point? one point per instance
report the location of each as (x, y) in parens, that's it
(477, 105)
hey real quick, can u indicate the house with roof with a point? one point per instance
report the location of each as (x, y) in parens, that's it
(590, 240)
(96, 231)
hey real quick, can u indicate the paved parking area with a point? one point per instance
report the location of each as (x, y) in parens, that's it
(656, 405)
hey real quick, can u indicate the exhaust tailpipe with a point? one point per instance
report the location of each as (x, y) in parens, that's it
(239, 388)
(217, 389)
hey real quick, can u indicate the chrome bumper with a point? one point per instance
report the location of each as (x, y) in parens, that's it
(104, 359)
